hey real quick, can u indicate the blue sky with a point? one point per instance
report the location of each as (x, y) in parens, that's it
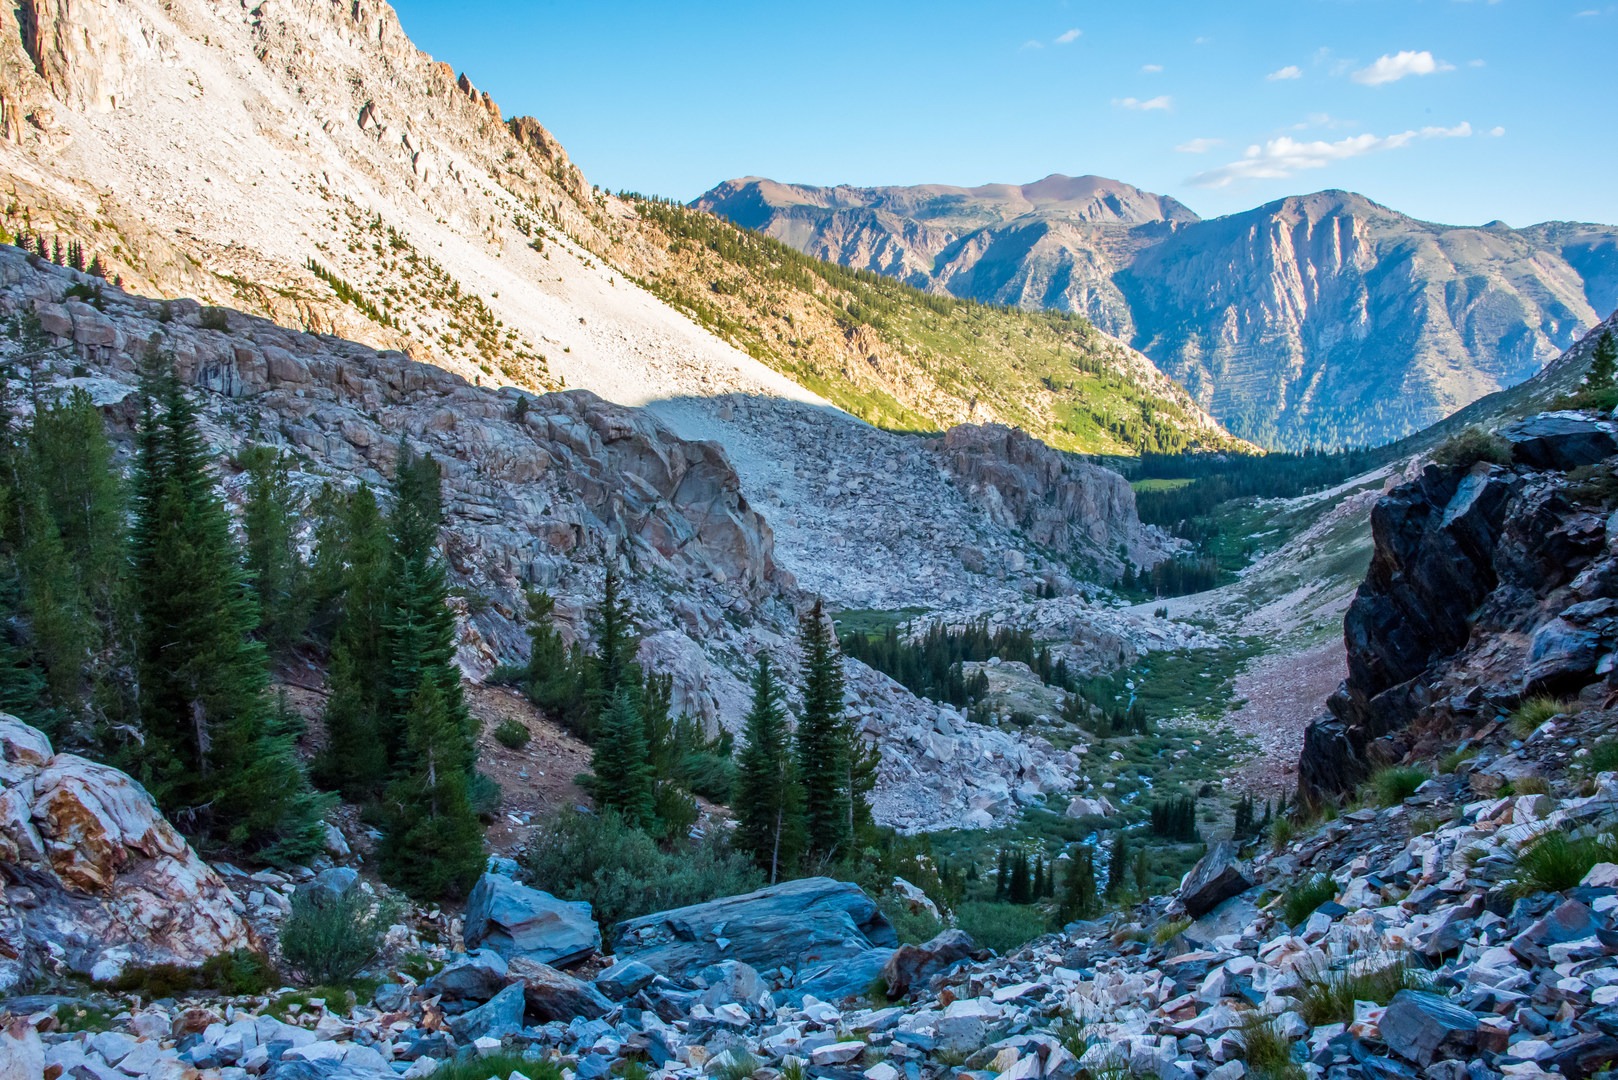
(1460, 111)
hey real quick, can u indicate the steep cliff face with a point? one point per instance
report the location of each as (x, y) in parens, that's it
(1321, 319)
(1058, 501)
(1488, 584)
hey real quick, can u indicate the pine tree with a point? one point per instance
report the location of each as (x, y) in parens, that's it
(420, 623)
(768, 803)
(823, 744)
(274, 565)
(1117, 866)
(212, 756)
(623, 773)
(613, 628)
(1603, 364)
(1021, 889)
(432, 847)
(1038, 889)
(1079, 900)
(1002, 876)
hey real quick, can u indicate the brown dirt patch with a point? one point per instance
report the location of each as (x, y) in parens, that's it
(1284, 691)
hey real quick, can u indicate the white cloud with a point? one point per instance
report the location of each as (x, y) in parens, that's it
(1032, 44)
(1151, 69)
(1496, 131)
(1199, 146)
(1280, 158)
(1291, 71)
(1068, 37)
(1587, 13)
(1477, 63)
(1162, 101)
(1395, 66)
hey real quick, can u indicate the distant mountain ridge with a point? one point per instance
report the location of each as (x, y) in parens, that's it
(1322, 319)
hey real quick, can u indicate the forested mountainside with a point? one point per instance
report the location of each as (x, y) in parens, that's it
(1318, 320)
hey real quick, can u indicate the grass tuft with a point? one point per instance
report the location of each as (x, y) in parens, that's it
(496, 1066)
(1302, 899)
(1554, 861)
(1396, 783)
(1328, 997)
(1268, 1055)
(1535, 711)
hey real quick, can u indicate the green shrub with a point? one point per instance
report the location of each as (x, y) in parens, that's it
(1603, 757)
(497, 1065)
(237, 974)
(88, 1016)
(913, 927)
(1281, 832)
(1472, 446)
(1267, 1055)
(328, 940)
(622, 872)
(512, 734)
(740, 1066)
(1396, 783)
(1328, 997)
(1455, 759)
(1531, 785)
(1001, 927)
(1167, 932)
(1302, 900)
(214, 318)
(1554, 861)
(1535, 711)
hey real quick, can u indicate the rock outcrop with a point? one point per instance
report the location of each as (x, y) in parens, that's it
(1488, 584)
(95, 879)
(1076, 510)
(517, 921)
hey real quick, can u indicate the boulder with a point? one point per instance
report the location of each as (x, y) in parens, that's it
(515, 920)
(472, 978)
(787, 925)
(556, 995)
(838, 980)
(625, 978)
(496, 1018)
(1422, 1027)
(730, 982)
(912, 966)
(1560, 441)
(331, 885)
(112, 883)
(1217, 877)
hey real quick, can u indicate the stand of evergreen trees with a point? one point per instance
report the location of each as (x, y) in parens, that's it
(1175, 819)
(136, 628)
(931, 666)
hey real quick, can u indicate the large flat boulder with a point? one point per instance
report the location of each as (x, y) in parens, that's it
(1561, 441)
(911, 966)
(515, 920)
(810, 921)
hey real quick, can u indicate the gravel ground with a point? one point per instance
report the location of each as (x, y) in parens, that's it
(1284, 691)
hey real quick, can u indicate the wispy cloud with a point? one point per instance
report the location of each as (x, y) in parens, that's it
(1151, 69)
(1199, 146)
(1032, 44)
(1162, 101)
(1496, 132)
(1291, 71)
(1068, 37)
(1392, 67)
(1280, 158)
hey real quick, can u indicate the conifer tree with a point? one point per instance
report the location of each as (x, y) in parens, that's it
(1021, 889)
(1038, 889)
(22, 687)
(355, 758)
(1079, 899)
(73, 463)
(1603, 363)
(420, 623)
(613, 627)
(823, 744)
(1002, 876)
(274, 565)
(213, 756)
(1118, 866)
(768, 802)
(623, 772)
(432, 847)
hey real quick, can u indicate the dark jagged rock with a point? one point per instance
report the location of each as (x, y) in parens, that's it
(1217, 877)
(787, 925)
(515, 920)
(496, 1018)
(1561, 441)
(1487, 584)
(912, 966)
(838, 980)
(475, 978)
(624, 979)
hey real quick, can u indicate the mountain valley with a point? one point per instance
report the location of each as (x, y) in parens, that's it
(459, 621)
